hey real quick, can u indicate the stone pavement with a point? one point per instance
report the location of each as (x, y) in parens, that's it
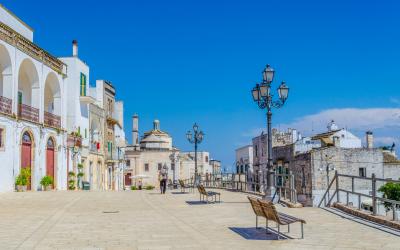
(148, 220)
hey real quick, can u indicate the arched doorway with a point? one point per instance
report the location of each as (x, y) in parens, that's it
(26, 154)
(50, 158)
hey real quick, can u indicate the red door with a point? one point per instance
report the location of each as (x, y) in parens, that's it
(50, 158)
(128, 180)
(26, 155)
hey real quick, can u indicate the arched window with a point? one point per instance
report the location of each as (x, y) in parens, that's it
(26, 138)
(50, 143)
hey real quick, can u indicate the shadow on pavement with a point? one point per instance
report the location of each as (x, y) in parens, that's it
(252, 233)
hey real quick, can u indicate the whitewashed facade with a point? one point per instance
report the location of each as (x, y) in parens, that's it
(32, 107)
(45, 108)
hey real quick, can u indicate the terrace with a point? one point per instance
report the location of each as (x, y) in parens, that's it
(148, 220)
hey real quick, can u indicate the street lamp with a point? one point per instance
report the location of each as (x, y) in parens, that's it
(174, 157)
(195, 138)
(264, 98)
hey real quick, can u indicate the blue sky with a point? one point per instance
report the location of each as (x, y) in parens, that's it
(187, 61)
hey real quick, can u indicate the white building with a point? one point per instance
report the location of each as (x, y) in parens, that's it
(146, 157)
(45, 109)
(32, 107)
(244, 160)
(341, 138)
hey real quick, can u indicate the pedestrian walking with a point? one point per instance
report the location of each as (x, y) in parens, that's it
(163, 179)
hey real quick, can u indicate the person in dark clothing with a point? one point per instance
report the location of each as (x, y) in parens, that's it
(163, 179)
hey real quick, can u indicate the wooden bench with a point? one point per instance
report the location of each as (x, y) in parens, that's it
(269, 212)
(258, 211)
(184, 186)
(204, 193)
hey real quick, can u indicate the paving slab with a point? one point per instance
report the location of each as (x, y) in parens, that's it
(148, 220)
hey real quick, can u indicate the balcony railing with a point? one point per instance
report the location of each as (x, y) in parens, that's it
(28, 113)
(12, 37)
(52, 120)
(5, 105)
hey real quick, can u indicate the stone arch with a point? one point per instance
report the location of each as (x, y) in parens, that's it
(6, 84)
(28, 84)
(52, 94)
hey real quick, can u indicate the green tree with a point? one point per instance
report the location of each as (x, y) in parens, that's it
(390, 191)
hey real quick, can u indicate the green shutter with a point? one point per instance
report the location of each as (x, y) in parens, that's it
(83, 85)
(19, 97)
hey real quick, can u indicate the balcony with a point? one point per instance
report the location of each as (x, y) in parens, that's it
(5, 105)
(28, 113)
(52, 120)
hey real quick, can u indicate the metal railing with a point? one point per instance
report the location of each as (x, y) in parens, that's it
(52, 120)
(28, 113)
(5, 105)
(373, 194)
(240, 183)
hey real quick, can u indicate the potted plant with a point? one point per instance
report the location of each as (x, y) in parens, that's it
(47, 182)
(71, 181)
(23, 179)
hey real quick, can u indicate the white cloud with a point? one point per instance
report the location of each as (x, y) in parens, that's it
(386, 140)
(359, 120)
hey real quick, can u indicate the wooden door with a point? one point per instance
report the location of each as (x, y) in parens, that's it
(50, 158)
(128, 180)
(26, 155)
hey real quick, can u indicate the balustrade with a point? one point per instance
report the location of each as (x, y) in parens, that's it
(29, 113)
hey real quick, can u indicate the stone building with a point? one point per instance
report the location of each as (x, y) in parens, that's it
(391, 166)
(313, 169)
(215, 166)
(145, 158)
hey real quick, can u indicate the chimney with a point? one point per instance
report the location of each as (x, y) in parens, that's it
(369, 136)
(75, 48)
(135, 130)
(336, 141)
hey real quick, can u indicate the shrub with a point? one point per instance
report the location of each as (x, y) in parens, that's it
(71, 174)
(134, 188)
(149, 187)
(390, 191)
(80, 166)
(71, 184)
(24, 177)
(80, 174)
(46, 181)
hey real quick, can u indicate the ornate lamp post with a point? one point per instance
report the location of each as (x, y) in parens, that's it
(195, 138)
(264, 98)
(174, 157)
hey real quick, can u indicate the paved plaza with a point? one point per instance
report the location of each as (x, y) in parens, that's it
(148, 220)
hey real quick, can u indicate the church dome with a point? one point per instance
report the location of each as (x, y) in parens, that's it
(156, 139)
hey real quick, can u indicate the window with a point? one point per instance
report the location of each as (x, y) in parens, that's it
(172, 166)
(128, 163)
(362, 172)
(159, 166)
(256, 150)
(146, 167)
(83, 85)
(206, 158)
